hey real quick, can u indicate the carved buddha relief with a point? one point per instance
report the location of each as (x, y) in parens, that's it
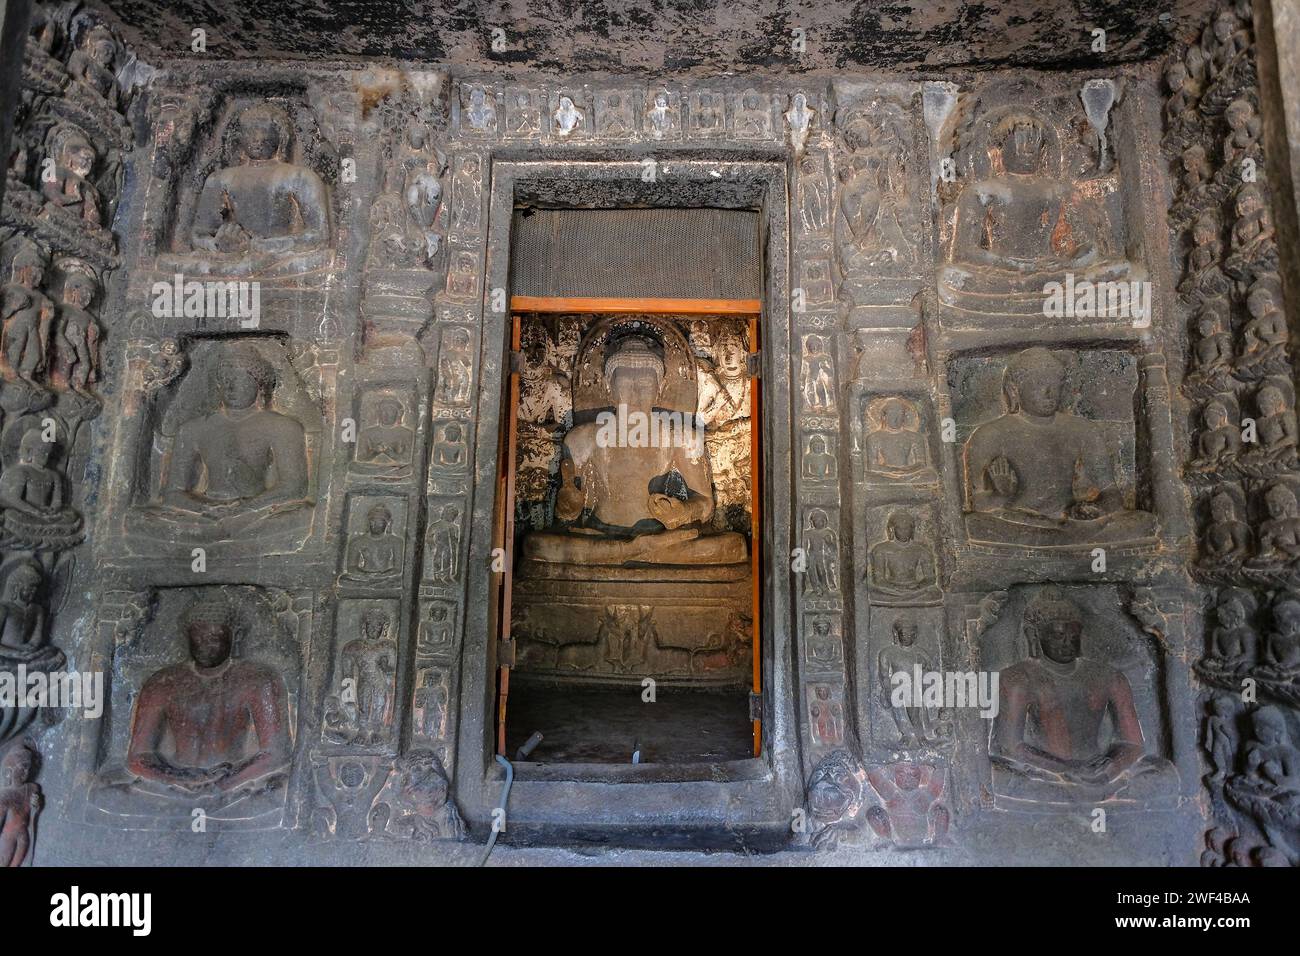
(262, 209)
(210, 684)
(1038, 473)
(1069, 729)
(1030, 209)
(233, 445)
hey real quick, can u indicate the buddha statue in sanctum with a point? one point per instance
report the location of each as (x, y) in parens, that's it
(635, 485)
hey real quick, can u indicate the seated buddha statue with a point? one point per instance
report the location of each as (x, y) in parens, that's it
(261, 208)
(239, 464)
(633, 495)
(1039, 475)
(1067, 729)
(1020, 228)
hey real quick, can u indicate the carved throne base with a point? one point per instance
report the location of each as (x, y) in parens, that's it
(680, 632)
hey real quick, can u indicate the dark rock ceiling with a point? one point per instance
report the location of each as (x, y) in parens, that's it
(677, 36)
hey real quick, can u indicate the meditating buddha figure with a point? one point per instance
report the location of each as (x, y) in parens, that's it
(262, 204)
(241, 462)
(640, 495)
(1039, 475)
(1067, 728)
(1021, 227)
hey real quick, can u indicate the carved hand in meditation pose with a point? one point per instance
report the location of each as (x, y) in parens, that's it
(1054, 709)
(263, 204)
(1039, 475)
(243, 457)
(634, 493)
(192, 723)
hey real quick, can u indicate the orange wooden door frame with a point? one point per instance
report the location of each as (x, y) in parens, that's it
(505, 632)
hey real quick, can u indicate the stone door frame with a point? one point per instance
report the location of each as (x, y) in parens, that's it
(751, 799)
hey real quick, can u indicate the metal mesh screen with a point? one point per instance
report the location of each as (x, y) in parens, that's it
(672, 253)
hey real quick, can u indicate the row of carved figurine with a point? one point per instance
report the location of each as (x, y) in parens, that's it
(1229, 542)
(1271, 442)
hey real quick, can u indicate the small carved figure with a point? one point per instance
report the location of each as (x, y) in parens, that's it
(1272, 762)
(32, 494)
(1252, 233)
(754, 115)
(1221, 736)
(1227, 538)
(814, 194)
(378, 552)
(27, 315)
(1213, 351)
(826, 715)
(93, 63)
(818, 461)
(1282, 645)
(370, 661)
(419, 807)
(1233, 640)
(800, 117)
(455, 371)
(567, 118)
(1265, 337)
(444, 545)
(1220, 439)
(20, 805)
(482, 112)
(1276, 425)
(431, 703)
(914, 721)
(896, 446)
(912, 813)
(1242, 139)
(79, 332)
(449, 446)
(724, 394)
(70, 186)
(902, 568)
(386, 441)
(661, 118)
(836, 797)
(818, 376)
(822, 553)
(1203, 272)
(521, 114)
(22, 619)
(1196, 168)
(1279, 535)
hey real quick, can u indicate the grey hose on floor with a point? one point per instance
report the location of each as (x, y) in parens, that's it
(505, 797)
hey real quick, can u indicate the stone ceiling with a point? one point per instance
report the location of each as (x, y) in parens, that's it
(692, 36)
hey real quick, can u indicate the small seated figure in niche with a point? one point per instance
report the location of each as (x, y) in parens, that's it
(818, 462)
(1228, 538)
(1265, 337)
(70, 187)
(79, 332)
(1181, 103)
(1213, 353)
(241, 462)
(1282, 644)
(659, 117)
(262, 204)
(1196, 167)
(1276, 426)
(1203, 272)
(1021, 227)
(27, 314)
(211, 727)
(386, 441)
(1279, 535)
(449, 446)
(1041, 475)
(1230, 38)
(1067, 729)
(915, 723)
(635, 501)
(1220, 439)
(897, 447)
(482, 112)
(93, 63)
(1252, 233)
(20, 804)
(36, 513)
(23, 637)
(901, 567)
(567, 117)
(1272, 761)
(1232, 639)
(1242, 139)
(378, 552)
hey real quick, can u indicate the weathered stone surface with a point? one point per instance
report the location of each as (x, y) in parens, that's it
(1016, 415)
